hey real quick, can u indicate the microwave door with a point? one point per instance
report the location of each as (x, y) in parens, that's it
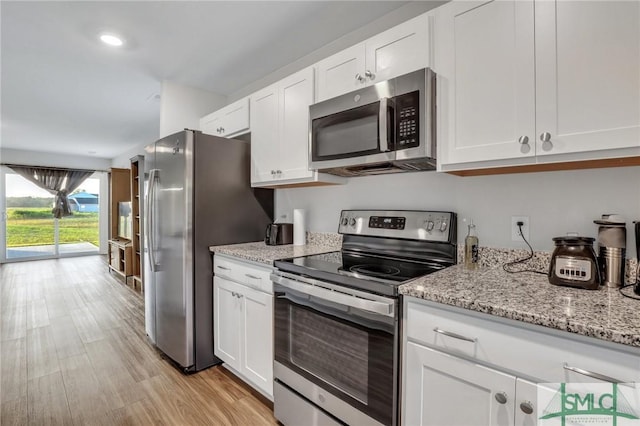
(360, 135)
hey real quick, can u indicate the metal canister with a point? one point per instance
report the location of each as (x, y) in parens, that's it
(612, 245)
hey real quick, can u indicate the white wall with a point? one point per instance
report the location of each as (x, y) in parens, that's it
(556, 202)
(37, 158)
(182, 106)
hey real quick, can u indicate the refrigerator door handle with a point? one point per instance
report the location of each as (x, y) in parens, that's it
(149, 219)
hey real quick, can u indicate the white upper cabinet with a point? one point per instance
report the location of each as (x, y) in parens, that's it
(486, 83)
(399, 50)
(280, 133)
(341, 73)
(512, 92)
(264, 134)
(229, 121)
(587, 75)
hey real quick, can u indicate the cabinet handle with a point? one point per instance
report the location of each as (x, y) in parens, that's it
(501, 397)
(360, 78)
(455, 335)
(369, 75)
(238, 295)
(222, 129)
(279, 172)
(234, 294)
(523, 140)
(251, 276)
(526, 407)
(591, 374)
(223, 268)
(273, 172)
(545, 137)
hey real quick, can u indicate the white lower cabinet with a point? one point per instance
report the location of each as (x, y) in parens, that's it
(465, 368)
(445, 390)
(243, 322)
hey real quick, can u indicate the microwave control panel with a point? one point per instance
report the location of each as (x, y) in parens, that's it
(407, 120)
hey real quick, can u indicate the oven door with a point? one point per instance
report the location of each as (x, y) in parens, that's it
(353, 129)
(338, 348)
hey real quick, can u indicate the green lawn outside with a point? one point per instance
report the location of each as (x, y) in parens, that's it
(33, 226)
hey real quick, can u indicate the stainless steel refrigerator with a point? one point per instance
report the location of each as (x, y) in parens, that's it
(197, 194)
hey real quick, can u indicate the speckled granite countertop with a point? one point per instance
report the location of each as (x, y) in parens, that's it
(604, 314)
(262, 253)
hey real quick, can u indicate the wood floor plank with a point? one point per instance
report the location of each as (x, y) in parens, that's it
(14, 321)
(87, 326)
(140, 359)
(13, 383)
(66, 337)
(47, 402)
(84, 394)
(56, 304)
(37, 314)
(14, 412)
(112, 372)
(42, 358)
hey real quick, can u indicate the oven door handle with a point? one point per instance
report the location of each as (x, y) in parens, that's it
(378, 307)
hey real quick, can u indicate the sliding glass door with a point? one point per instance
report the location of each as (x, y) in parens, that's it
(31, 232)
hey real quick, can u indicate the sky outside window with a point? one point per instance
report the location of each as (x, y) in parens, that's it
(17, 186)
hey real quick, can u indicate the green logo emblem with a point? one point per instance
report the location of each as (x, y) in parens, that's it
(609, 402)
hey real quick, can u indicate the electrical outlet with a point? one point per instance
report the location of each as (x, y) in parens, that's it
(515, 231)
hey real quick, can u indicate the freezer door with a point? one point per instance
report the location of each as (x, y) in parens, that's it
(172, 220)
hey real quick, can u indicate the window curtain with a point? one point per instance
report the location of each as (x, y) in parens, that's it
(59, 182)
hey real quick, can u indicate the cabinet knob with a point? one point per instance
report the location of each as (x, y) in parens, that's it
(545, 137)
(360, 78)
(501, 397)
(526, 407)
(369, 75)
(523, 140)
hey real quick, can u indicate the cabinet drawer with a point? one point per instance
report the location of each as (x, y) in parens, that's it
(253, 276)
(547, 357)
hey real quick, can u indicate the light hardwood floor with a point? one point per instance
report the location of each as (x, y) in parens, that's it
(74, 351)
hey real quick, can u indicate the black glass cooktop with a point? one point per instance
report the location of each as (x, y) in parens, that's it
(376, 274)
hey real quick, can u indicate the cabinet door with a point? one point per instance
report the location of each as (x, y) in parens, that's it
(235, 119)
(295, 96)
(226, 321)
(257, 358)
(587, 75)
(526, 410)
(264, 135)
(211, 124)
(397, 51)
(484, 59)
(444, 390)
(338, 74)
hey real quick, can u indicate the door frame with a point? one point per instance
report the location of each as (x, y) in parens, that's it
(102, 223)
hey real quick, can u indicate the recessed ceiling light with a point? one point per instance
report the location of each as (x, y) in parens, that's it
(111, 40)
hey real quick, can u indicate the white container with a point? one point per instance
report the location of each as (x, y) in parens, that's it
(299, 227)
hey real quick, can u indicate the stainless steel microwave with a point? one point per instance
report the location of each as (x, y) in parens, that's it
(385, 128)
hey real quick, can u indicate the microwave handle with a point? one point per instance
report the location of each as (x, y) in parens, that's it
(383, 117)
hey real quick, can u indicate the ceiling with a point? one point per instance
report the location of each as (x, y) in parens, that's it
(64, 91)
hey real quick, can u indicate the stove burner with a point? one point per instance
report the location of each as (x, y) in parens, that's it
(375, 270)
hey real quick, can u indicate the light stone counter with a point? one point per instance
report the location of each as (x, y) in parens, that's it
(604, 314)
(260, 252)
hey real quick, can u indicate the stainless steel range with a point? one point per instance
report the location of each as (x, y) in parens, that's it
(337, 316)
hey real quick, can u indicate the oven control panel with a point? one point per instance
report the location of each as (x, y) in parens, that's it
(404, 224)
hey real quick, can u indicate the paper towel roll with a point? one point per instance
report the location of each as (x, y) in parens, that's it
(299, 227)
